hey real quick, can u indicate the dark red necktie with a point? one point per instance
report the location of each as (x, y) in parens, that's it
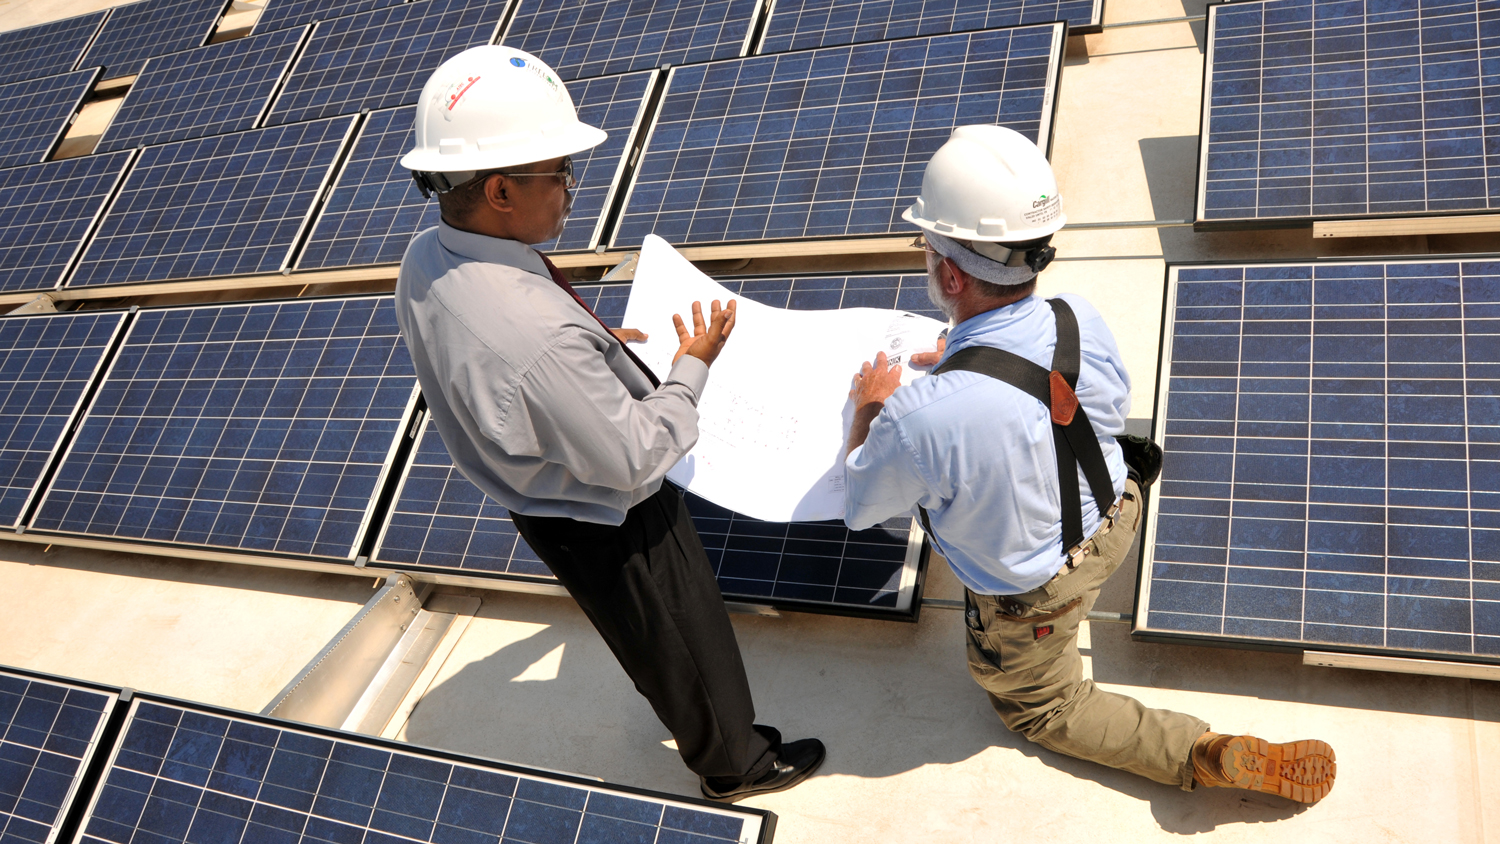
(557, 278)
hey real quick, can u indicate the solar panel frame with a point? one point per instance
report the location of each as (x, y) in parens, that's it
(134, 33)
(295, 781)
(165, 102)
(787, 27)
(60, 742)
(51, 424)
(36, 113)
(153, 190)
(752, 192)
(1339, 172)
(285, 14)
(1194, 500)
(78, 485)
(33, 238)
(374, 193)
(462, 522)
(336, 53)
(48, 43)
(561, 57)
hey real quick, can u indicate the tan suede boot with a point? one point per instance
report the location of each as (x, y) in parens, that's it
(1302, 770)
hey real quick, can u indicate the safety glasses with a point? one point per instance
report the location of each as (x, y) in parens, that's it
(566, 174)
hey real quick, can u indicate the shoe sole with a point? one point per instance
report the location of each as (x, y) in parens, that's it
(1302, 771)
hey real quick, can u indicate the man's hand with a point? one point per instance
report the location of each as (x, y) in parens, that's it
(704, 343)
(922, 360)
(629, 335)
(873, 384)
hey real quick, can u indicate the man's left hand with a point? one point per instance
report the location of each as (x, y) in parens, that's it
(874, 383)
(629, 335)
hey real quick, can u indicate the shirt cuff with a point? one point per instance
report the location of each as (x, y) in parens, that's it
(689, 372)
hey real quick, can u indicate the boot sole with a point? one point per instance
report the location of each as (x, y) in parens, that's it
(1302, 771)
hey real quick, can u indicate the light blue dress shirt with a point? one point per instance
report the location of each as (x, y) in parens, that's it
(978, 453)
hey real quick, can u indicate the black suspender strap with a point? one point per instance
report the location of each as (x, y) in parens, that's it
(1072, 434)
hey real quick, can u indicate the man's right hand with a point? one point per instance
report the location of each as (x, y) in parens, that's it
(704, 343)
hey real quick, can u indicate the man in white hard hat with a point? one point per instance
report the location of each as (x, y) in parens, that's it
(545, 409)
(996, 449)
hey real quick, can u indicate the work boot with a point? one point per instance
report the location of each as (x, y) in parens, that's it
(1301, 770)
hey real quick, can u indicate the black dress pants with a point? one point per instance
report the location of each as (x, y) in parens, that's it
(649, 589)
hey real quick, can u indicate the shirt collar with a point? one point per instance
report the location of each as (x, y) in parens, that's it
(491, 250)
(968, 332)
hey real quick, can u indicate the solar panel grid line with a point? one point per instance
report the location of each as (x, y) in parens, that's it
(91, 334)
(1394, 547)
(320, 197)
(609, 210)
(247, 200)
(47, 214)
(36, 113)
(212, 90)
(803, 24)
(1357, 112)
(50, 730)
(285, 14)
(779, 147)
(47, 49)
(134, 33)
(185, 772)
(263, 429)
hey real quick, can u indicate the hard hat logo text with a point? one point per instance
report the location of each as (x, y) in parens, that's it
(462, 88)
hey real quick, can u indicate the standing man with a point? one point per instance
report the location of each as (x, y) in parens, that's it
(546, 410)
(978, 458)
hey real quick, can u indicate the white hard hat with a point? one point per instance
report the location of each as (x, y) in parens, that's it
(988, 183)
(494, 106)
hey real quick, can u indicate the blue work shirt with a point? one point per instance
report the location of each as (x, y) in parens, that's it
(978, 453)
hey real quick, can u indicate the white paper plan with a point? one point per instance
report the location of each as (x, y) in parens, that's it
(773, 418)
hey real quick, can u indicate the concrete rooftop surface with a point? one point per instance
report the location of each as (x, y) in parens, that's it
(915, 754)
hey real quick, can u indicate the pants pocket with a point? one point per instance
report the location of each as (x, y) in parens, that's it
(1032, 639)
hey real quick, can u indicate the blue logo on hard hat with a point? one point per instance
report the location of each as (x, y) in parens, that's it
(518, 62)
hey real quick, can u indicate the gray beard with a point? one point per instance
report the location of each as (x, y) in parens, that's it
(935, 295)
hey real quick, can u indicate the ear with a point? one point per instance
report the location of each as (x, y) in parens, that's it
(951, 279)
(497, 193)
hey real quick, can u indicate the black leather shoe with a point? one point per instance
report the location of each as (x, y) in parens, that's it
(795, 763)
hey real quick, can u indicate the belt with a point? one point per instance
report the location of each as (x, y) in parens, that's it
(1073, 556)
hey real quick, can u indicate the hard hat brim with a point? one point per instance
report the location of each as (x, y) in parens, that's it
(910, 215)
(569, 141)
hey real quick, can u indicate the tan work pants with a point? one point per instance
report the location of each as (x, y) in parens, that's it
(1023, 649)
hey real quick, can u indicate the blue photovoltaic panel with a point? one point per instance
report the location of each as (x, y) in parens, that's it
(1349, 109)
(48, 732)
(35, 113)
(1332, 477)
(375, 208)
(797, 24)
(382, 57)
(829, 142)
(45, 212)
(441, 520)
(264, 427)
(204, 91)
(46, 49)
(221, 206)
(182, 774)
(46, 366)
(284, 14)
(139, 31)
(583, 38)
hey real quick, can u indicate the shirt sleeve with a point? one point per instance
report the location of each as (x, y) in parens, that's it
(571, 409)
(882, 478)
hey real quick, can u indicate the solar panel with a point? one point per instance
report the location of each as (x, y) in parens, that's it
(583, 38)
(46, 366)
(264, 428)
(48, 732)
(47, 49)
(221, 206)
(799, 24)
(382, 57)
(829, 142)
(1332, 473)
(375, 208)
(46, 211)
(1357, 110)
(204, 91)
(442, 521)
(35, 113)
(139, 31)
(184, 773)
(284, 14)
